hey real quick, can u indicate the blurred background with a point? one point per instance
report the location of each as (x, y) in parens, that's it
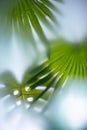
(67, 108)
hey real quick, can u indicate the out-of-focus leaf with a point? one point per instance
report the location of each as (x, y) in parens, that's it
(69, 59)
(66, 60)
(35, 88)
(24, 15)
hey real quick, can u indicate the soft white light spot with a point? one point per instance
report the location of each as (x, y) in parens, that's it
(30, 99)
(40, 88)
(27, 88)
(18, 103)
(16, 92)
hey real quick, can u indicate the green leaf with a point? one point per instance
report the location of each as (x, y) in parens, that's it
(67, 60)
(27, 14)
(29, 93)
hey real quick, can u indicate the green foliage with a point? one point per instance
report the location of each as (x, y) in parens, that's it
(27, 15)
(66, 60)
(69, 59)
(22, 17)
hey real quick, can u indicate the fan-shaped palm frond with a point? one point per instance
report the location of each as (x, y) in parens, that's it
(69, 59)
(24, 16)
(66, 60)
(33, 91)
(27, 14)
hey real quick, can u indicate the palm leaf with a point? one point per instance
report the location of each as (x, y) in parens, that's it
(31, 92)
(25, 15)
(70, 59)
(66, 60)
